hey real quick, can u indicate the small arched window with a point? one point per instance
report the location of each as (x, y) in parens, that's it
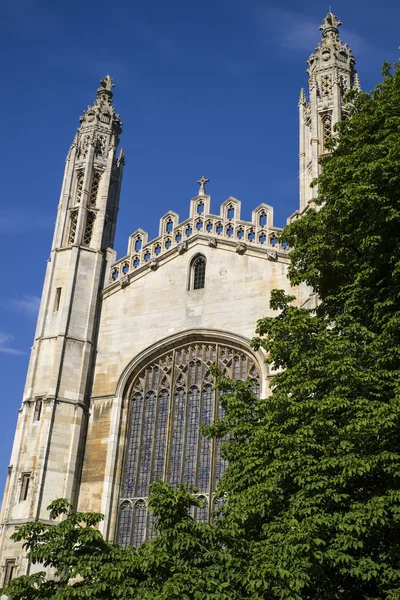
(198, 273)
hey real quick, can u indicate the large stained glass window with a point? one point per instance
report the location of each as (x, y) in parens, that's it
(170, 399)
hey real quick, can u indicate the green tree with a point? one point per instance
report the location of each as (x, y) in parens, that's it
(314, 476)
(184, 561)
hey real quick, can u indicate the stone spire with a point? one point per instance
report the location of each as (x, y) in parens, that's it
(101, 114)
(331, 72)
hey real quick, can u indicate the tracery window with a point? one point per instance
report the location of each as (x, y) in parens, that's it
(72, 227)
(169, 401)
(90, 219)
(198, 273)
(326, 120)
(79, 187)
(94, 188)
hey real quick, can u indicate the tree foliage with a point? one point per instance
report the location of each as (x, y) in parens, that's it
(312, 491)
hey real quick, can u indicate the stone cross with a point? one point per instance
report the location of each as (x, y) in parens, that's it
(202, 183)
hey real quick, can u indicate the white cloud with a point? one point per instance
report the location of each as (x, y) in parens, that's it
(27, 304)
(5, 340)
(292, 30)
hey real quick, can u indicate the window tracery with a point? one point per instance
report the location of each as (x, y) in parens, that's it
(94, 188)
(170, 400)
(326, 127)
(90, 219)
(79, 187)
(72, 227)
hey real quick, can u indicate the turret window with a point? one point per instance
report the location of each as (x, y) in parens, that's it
(90, 219)
(79, 187)
(26, 479)
(37, 413)
(326, 120)
(94, 188)
(198, 273)
(73, 224)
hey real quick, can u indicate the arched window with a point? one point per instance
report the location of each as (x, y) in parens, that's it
(170, 399)
(198, 273)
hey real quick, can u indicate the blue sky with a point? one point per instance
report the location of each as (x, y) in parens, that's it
(205, 87)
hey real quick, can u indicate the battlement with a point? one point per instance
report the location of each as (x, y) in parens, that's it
(226, 228)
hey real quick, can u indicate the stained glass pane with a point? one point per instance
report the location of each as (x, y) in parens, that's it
(192, 436)
(161, 435)
(177, 438)
(124, 524)
(202, 513)
(139, 523)
(205, 444)
(147, 443)
(221, 463)
(150, 533)
(133, 446)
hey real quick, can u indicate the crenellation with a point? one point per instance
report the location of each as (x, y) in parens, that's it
(258, 233)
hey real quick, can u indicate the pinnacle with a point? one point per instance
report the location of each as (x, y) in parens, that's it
(302, 99)
(331, 23)
(356, 84)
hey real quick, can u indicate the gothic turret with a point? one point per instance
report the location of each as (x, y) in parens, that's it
(89, 202)
(51, 428)
(331, 73)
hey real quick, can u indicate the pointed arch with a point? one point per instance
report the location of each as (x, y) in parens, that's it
(163, 436)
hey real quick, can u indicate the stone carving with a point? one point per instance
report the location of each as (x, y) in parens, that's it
(241, 248)
(212, 242)
(182, 247)
(272, 255)
(106, 84)
(124, 281)
(154, 264)
(331, 23)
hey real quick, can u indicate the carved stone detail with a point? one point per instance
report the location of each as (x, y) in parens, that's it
(212, 242)
(124, 281)
(272, 255)
(241, 248)
(182, 247)
(154, 264)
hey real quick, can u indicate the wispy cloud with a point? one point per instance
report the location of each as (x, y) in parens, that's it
(18, 223)
(236, 67)
(292, 30)
(27, 304)
(5, 348)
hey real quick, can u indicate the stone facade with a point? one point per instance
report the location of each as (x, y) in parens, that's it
(105, 324)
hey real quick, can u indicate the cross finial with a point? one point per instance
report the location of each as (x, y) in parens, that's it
(202, 181)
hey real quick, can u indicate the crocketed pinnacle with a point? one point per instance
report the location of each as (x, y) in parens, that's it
(330, 25)
(302, 99)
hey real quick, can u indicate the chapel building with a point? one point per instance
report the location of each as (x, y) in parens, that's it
(119, 378)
